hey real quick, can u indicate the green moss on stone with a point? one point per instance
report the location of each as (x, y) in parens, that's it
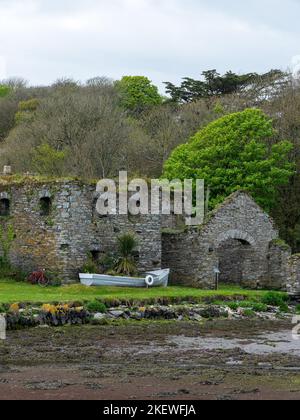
(281, 244)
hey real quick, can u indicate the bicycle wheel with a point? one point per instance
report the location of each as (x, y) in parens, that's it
(43, 281)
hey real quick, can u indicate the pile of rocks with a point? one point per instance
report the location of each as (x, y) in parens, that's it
(185, 313)
(61, 315)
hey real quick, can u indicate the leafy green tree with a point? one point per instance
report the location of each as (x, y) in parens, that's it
(232, 153)
(137, 93)
(48, 161)
(4, 91)
(26, 110)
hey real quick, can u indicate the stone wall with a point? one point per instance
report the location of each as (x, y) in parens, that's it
(278, 258)
(193, 254)
(293, 278)
(61, 240)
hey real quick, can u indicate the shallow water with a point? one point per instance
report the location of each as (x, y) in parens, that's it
(268, 343)
(153, 361)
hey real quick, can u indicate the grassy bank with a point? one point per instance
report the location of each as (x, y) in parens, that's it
(11, 292)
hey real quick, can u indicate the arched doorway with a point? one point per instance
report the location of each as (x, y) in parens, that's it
(232, 255)
(235, 252)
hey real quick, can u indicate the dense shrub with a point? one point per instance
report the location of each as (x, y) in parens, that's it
(96, 306)
(274, 299)
(90, 266)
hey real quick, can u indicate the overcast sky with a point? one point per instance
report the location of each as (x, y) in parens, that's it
(42, 40)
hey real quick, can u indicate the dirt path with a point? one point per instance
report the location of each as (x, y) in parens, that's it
(162, 361)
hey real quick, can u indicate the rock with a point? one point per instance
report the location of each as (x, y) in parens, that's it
(213, 312)
(196, 317)
(117, 314)
(234, 363)
(99, 316)
(137, 316)
(230, 312)
(265, 365)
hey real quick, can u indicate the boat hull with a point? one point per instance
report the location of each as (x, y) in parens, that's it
(160, 279)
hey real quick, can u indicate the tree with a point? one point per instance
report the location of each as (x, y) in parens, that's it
(216, 85)
(26, 110)
(9, 104)
(4, 91)
(137, 93)
(159, 131)
(233, 153)
(48, 161)
(85, 121)
(285, 111)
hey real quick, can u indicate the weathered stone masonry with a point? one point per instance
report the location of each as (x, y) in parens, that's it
(293, 278)
(61, 240)
(238, 234)
(56, 225)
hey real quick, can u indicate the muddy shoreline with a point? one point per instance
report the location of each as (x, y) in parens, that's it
(214, 360)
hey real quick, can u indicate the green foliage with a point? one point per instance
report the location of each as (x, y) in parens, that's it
(11, 292)
(7, 236)
(219, 109)
(137, 93)
(126, 244)
(96, 306)
(281, 244)
(249, 313)
(298, 309)
(126, 264)
(275, 299)
(233, 153)
(213, 85)
(284, 308)
(48, 161)
(91, 266)
(254, 306)
(4, 91)
(26, 111)
(107, 262)
(29, 106)
(232, 305)
(3, 309)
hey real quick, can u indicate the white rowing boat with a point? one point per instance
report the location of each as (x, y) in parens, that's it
(159, 278)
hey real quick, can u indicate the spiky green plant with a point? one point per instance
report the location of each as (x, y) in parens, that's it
(126, 264)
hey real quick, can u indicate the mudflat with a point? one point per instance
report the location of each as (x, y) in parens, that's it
(215, 360)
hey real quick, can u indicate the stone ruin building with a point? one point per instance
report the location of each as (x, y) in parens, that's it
(56, 226)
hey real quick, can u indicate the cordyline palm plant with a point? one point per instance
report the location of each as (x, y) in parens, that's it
(126, 264)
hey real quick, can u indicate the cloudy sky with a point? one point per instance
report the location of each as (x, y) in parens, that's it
(42, 40)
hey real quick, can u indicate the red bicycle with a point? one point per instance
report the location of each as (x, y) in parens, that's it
(39, 277)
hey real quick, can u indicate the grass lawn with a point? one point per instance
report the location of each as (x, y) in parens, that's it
(12, 292)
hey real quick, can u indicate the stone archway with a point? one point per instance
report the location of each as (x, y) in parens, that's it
(235, 234)
(235, 251)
